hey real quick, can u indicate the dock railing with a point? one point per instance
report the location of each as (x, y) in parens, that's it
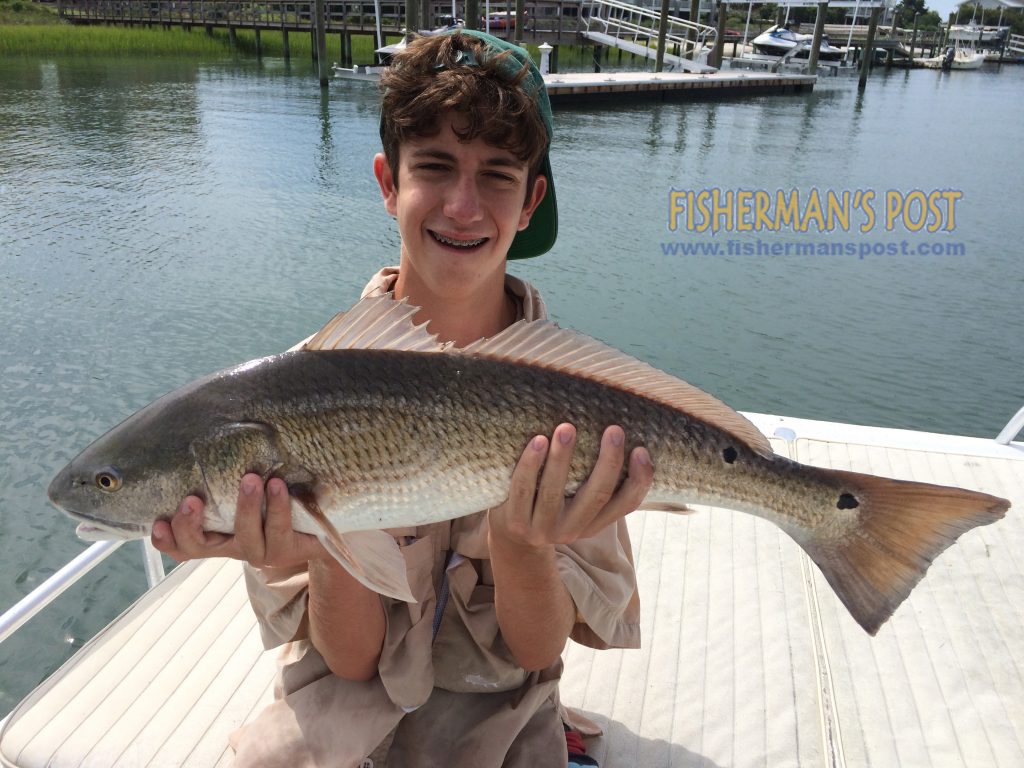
(634, 28)
(547, 20)
(40, 597)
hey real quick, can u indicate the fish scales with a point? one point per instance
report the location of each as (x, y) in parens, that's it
(387, 424)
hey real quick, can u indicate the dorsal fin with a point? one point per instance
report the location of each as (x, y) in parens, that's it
(377, 322)
(544, 344)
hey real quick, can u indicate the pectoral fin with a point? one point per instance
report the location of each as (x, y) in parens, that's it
(373, 558)
(231, 450)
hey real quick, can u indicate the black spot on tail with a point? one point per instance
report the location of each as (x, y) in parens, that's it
(729, 454)
(847, 501)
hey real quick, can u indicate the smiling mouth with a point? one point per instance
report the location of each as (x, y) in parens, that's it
(456, 243)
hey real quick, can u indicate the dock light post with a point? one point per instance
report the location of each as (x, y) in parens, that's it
(520, 21)
(545, 58)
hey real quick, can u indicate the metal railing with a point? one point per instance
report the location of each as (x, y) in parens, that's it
(58, 583)
(1013, 428)
(639, 26)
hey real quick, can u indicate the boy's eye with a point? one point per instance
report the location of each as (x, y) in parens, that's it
(502, 177)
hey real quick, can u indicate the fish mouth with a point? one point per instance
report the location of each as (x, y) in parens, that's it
(94, 529)
(458, 243)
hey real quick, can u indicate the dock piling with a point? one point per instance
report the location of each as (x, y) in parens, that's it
(715, 60)
(913, 38)
(819, 29)
(866, 60)
(659, 62)
(691, 34)
(321, 41)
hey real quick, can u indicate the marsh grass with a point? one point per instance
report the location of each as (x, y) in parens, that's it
(88, 40)
(68, 40)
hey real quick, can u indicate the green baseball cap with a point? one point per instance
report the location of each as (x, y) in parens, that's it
(540, 234)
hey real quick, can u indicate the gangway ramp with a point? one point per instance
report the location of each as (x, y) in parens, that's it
(633, 28)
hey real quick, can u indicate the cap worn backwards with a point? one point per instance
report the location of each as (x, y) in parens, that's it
(540, 234)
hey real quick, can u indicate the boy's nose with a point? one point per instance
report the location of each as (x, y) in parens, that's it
(462, 202)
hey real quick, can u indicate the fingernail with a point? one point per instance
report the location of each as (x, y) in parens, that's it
(643, 458)
(565, 436)
(617, 437)
(537, 443)
(158, 534)
(185, 508)
(248, 485)
(275, 488)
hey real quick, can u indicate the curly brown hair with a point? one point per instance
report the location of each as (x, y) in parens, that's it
(459, 73)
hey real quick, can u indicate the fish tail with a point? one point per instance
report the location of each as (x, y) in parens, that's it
(901, 528)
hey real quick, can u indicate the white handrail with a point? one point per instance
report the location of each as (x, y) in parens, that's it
(614, 16)
(1012, 429)
(53, 587)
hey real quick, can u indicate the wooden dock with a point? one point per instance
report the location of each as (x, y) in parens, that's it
(551, 21)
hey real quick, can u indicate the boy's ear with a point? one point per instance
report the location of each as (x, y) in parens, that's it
(533, 198)
(388, 188)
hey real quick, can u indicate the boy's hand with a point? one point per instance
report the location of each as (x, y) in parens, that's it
(539, 515)
(534, 608)
(272, 543)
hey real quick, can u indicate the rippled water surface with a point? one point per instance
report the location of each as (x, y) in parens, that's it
(160, 220)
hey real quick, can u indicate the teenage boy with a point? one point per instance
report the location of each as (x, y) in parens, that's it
(468, 675)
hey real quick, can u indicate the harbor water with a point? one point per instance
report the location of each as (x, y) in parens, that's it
(160, 220)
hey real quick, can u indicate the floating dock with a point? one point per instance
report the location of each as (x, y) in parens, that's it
(570, 87)
(573, 87)
(748, 659)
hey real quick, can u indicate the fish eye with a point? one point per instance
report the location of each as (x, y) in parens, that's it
(108, 480)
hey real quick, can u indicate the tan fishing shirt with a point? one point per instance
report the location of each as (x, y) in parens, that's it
(457, 699)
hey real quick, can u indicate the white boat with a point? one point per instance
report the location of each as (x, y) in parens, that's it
(384, 54)
(748, 659)
(977, 34)
(779, 41)
(956, 58)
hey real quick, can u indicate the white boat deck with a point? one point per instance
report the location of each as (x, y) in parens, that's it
(747, 658)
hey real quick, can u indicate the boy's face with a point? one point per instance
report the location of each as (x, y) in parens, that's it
(459, 205)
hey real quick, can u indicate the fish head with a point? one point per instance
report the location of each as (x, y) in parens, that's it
(136, 473)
